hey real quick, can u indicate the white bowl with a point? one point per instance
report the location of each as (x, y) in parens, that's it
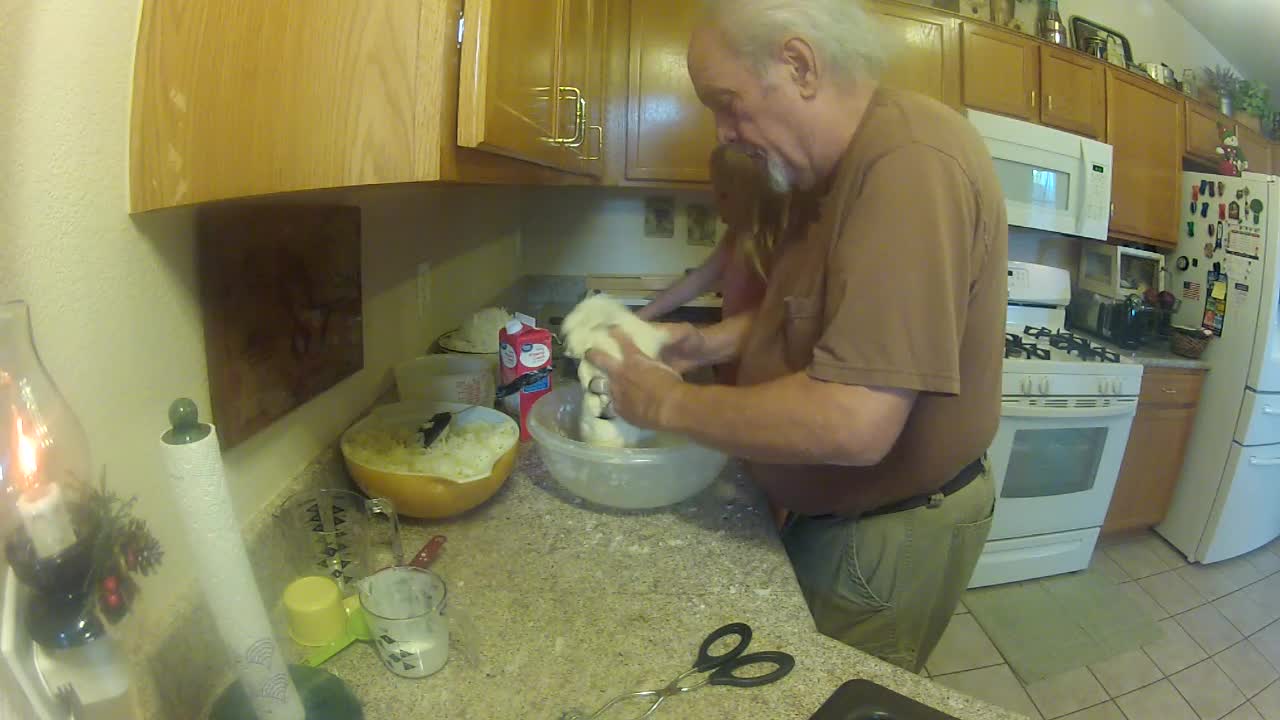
(674, 470)
(446, 378)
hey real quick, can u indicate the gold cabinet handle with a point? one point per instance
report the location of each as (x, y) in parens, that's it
(1033, 98)
(1113, 209)
(599, 142)
(1169, 390)
(1048, 99)
(579, 130)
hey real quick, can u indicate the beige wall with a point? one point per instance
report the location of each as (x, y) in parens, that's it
(581, 231)
(1156, 32)
(113, 297)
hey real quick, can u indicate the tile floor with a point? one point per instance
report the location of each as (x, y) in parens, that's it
(1220, 657)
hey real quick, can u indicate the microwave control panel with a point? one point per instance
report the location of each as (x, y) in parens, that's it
(1095, 216)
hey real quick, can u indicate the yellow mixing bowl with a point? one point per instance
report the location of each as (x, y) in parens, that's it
(429, 496)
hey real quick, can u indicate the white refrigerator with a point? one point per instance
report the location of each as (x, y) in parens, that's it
(1227, 500)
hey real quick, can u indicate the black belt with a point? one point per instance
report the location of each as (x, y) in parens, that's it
(954, 485)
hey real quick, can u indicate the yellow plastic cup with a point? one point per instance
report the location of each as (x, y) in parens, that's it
(317, 614)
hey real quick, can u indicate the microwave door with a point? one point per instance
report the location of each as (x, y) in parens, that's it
(1037, 191)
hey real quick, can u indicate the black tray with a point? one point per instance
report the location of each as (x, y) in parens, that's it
(865, 700)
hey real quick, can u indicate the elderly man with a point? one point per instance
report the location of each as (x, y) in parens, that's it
(870, 375)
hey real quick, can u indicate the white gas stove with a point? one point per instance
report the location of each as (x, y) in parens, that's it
(1067, 407)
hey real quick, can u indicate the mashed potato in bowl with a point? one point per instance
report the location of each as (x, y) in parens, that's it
(461, 470)
(464, 453)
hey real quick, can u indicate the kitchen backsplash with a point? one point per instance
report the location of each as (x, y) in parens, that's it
(585, 231)
(1044, 248)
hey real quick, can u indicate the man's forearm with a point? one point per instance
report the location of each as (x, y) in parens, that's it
(724, 340)
(792, 420)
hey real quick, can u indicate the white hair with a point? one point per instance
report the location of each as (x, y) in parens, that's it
(843, 36)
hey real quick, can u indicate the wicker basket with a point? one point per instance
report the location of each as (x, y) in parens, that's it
(1188, 345)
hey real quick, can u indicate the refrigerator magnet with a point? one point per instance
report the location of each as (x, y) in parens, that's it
(1222, 189)
(1208, 250)
(1195, 192)
(1204, 210)
(1222, 211)
(1233, 210)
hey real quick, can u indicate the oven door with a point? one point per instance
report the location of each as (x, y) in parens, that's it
(1056, 467)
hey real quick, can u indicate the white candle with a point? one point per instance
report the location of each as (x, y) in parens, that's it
(40, 506)
(46, 519)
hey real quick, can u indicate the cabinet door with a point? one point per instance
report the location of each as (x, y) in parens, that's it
(924, 51)
(235, 99)
(508, 96)
(1203, 133)
(1074, 90)
(1256, 149)
(669, 134)
(1001, 72)
(1144, 127)
(1149, 472)
(582, 47)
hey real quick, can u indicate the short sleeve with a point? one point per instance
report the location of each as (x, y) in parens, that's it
(898, 275)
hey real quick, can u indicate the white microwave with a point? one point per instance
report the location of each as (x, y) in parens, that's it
(1118, 272)
(1052, 180)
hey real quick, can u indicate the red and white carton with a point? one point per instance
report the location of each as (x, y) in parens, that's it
(524, 350)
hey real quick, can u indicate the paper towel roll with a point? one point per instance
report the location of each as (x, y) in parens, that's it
(222, 565)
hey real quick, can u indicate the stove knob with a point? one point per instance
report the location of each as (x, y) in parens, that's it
(1115, 386)
(1026, 386)
(1103, 387)
(1044, 386)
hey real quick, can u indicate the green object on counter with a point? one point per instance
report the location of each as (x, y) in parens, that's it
(324, 697)
(184, 417)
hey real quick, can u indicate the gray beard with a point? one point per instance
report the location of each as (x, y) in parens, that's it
(779, 176)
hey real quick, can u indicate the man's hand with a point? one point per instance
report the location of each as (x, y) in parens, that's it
(641, 388)
(686, 347)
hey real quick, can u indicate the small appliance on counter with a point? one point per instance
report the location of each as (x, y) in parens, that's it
(1129, 322)
(1117, 272)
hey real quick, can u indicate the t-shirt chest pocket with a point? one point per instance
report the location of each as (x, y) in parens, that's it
(802, 328)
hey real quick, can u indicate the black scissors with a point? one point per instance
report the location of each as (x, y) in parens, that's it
(719, 670)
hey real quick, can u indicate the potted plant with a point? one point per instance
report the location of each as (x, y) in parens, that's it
(1222, 81)
(1253, 102)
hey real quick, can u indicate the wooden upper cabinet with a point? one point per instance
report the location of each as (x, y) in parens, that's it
(1001, 71)
(1202, 130)
(924, 51)
(1255, 148)
(583, 35)
(234, 98)
(1074, 92)
(509, 95)
(1144, 128)
(670, 134)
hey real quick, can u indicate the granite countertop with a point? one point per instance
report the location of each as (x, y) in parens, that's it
(575, 605)
(1154, 354)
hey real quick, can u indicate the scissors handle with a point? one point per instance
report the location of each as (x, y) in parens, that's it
(727, 674)
(706, 661)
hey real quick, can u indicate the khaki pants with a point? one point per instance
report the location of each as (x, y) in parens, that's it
(888, 584)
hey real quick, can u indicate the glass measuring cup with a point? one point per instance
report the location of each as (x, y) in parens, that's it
(404, 608)
(330, 533)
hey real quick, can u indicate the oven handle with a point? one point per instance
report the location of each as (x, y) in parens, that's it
(1263, 461)
(1025, 411)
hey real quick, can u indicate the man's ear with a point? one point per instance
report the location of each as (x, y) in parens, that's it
(801, 65)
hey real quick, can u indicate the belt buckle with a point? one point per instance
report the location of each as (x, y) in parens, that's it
(935, 500)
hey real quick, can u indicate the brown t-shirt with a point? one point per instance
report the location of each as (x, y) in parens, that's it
(895, 278)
